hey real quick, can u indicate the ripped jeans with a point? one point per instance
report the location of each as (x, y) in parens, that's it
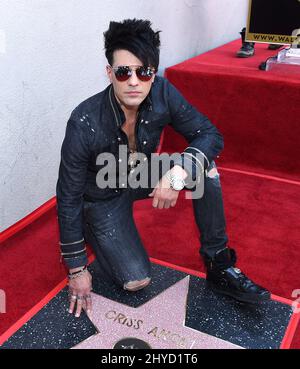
(111, 231)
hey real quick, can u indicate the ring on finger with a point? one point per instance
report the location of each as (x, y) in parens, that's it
(73, 297)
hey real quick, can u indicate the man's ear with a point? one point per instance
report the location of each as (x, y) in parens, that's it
(109, 73)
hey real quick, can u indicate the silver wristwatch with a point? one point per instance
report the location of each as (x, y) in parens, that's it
(176, 182)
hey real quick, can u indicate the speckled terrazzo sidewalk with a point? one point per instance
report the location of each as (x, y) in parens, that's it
(176, 311)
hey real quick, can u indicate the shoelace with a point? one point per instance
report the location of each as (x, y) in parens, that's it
(245, 281)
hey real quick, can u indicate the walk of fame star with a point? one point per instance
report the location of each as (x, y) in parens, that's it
(160, 323)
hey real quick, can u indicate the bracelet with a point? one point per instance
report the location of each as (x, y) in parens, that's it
(78, 273)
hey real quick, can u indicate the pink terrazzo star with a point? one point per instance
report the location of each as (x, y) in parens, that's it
(160, 322)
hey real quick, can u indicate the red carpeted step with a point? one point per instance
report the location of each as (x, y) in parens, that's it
(30, 267)
(256, 111)
(296, 341)
(260, 214)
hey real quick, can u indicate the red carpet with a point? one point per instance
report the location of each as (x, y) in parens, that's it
(259, 213)
(262, 214)
(256, 111)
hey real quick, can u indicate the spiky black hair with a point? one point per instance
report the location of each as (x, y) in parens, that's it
(135, 36)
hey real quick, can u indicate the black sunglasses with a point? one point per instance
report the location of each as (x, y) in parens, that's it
(124, 72)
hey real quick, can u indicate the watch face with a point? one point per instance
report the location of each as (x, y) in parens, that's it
(178, 185)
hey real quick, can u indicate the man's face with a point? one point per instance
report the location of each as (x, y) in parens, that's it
(133, 91)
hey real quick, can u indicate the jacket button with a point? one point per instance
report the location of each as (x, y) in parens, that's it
(119, 138)
(144, 142)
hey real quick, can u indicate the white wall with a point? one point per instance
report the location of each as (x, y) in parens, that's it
(51, 58)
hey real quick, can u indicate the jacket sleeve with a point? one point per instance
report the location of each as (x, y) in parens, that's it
(205, 141)
(69, 191)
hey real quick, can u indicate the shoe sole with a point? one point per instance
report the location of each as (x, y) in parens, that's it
(133, 287)
(253, 300)
(244, 56)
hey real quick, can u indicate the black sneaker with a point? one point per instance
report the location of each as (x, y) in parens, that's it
(226, 279)
(247, 48)
(274, 46)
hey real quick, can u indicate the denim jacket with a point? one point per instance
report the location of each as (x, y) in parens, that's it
(94, 127)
